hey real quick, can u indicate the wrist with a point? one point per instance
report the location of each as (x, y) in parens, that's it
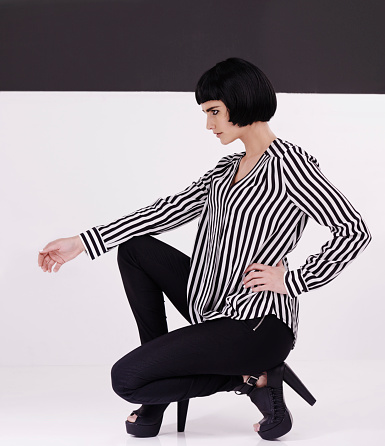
(79, 243)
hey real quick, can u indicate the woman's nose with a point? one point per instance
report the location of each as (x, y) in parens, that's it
(209, 124)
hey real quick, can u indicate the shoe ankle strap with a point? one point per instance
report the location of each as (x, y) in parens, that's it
(252, 380)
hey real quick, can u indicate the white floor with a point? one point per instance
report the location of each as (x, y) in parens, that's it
(75, 405)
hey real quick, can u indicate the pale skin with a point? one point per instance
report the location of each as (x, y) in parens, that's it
(256, 138)
(55, 254)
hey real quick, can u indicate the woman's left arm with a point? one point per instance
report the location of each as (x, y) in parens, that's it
(315, 195)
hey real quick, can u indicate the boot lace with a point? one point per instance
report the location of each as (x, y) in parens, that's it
(278, 403)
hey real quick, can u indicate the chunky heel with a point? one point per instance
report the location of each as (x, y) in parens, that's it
(182, 414)
(297, 385)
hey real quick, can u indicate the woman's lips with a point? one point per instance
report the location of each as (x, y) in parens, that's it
(218, 134)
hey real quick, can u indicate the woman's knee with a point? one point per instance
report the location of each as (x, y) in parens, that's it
(132, 247)
(120, 380)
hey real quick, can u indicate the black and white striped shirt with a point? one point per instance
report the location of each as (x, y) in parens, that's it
(258, 219)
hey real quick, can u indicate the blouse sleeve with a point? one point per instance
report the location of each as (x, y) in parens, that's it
(316, 196)
(161, 216)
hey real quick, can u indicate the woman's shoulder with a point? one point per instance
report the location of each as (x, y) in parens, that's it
(231, 157)
(290, 152)
(228, 159)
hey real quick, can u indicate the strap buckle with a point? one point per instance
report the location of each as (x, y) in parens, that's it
(252, 380)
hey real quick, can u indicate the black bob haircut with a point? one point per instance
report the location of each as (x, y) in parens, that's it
(242, 87)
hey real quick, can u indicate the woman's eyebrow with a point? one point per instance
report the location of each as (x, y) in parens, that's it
(211, 108)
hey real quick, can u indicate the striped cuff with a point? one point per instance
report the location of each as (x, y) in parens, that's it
(294, 283)
(93, 243)
(84, 245)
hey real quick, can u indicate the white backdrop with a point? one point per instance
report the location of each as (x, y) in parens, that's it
(74, 160)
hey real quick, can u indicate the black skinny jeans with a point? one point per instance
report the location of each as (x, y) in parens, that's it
(196, 360)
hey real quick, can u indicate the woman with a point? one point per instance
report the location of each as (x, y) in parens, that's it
(236, 291)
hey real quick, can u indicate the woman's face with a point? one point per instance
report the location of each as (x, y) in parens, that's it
(218, 122)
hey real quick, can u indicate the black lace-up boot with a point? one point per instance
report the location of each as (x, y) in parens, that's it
(277, 420)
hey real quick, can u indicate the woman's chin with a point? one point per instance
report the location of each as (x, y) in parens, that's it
(225, 141)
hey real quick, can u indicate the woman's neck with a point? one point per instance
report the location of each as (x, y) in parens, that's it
(257, 137)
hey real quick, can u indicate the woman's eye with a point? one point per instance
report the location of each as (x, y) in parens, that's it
(215, 112)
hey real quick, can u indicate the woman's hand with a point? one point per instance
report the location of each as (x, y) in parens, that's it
(266, 277)
(59, 251)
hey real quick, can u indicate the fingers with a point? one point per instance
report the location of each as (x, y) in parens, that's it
(253, 276)
(43, 259)
(43, 256)
(255, 283)
(258, 266)
(261, 266)
(52, 246)
(51, 264)
(47, 263)
(46, 258)
(40, 259)
(257, 270)
(57, 267)
(260, 276)
(265, 278)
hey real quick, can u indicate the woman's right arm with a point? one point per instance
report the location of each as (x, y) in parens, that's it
(161, 216)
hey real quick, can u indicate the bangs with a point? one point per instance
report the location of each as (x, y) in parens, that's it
(209, 88)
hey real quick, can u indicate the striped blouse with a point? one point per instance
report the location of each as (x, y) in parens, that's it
(258, 219)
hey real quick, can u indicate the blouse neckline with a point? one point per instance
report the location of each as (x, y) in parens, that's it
(256, 165)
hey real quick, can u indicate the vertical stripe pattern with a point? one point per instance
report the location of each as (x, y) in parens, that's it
(259, 219)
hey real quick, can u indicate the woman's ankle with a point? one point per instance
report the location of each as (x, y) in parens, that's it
(261, 382)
